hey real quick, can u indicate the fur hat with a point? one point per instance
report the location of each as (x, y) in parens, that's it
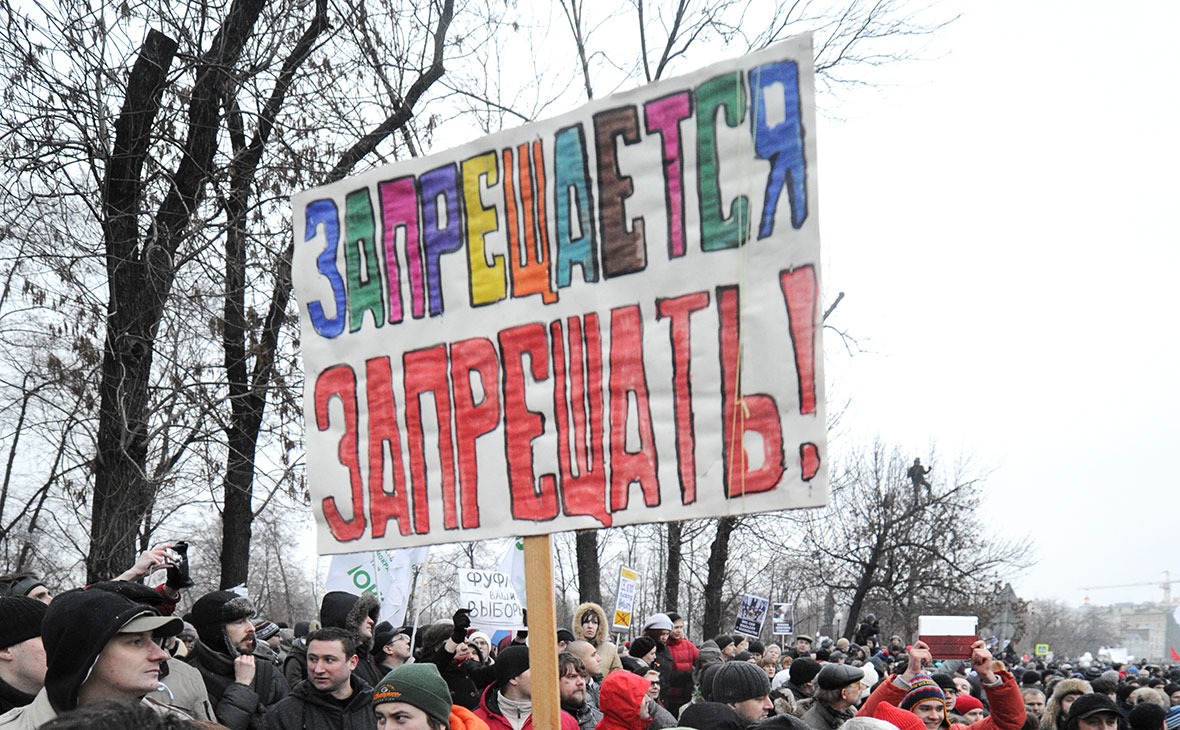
(20, 619)
(417, 684)
(213, 611)
(739, 681)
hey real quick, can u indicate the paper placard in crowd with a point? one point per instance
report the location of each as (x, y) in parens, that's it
(751, 615)
(625, 599)
(490, 597)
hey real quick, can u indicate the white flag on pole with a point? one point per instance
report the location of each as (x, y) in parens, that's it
(386, 573)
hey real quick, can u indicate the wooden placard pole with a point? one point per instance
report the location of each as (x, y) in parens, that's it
(538, 579)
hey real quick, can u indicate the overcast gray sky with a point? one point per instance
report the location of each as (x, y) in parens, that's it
(1004, 222)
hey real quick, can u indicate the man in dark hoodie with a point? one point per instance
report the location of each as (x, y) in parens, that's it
(240, 688)
(332, 697)
(22, 655)
(350, 612)
(99, 645)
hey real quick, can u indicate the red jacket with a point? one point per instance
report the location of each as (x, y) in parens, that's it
(684, 656)
(619, 701)
(1003, 699)
(489, 712)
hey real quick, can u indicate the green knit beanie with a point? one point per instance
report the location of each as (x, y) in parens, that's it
(419, 685)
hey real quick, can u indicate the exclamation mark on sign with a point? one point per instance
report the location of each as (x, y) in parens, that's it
(801, 293)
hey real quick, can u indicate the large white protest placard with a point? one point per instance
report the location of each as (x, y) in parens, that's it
(607, 318)
(491, 599)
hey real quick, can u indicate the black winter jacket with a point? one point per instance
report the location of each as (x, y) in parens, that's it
(307, 708)
(237, 706)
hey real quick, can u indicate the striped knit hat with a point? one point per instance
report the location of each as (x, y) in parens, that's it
(921, 689)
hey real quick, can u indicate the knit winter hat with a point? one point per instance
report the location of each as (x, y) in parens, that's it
(922, 688)
(213, 611)
(417, 684)
(739, 681)
(1147, 716)
(901, 719)
(265, 629)
(658, 622)
(20, 619)
(711, 715)
(641, 646)
(803, 670)
(512, 662)
(78, 625)
(967, 703)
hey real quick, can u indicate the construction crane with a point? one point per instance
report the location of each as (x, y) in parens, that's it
(1166, 584)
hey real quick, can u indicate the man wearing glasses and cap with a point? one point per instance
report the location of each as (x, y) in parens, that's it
(99, 645)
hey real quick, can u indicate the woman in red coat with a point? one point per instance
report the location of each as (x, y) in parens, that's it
(624, 702)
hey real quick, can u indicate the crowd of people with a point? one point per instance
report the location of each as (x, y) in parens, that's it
(115, 655)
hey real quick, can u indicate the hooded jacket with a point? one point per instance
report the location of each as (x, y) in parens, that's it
(348, 611)
(77, 626)
(489, 712)
(606, 650)
(622, 695)
(307, 708)
(1004, 701)
(1054, 718)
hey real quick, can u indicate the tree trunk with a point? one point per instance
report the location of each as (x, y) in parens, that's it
(865, 582)
(715, 581)
(586, 550)
(122, 491)
(672, 580)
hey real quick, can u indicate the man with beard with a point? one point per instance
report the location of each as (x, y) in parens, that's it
(240, 688)
(572, 676)
(836, 696)
(332, 697)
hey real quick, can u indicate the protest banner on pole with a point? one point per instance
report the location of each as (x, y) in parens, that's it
(607, 318)
(625, 599)
(751, 615)
(492, 334)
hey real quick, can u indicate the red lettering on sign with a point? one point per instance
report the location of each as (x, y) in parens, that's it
(522, 426)
(339, 382)
(679, 310)
(742, 412)
(476, 356)
(384, 506)
(627, 379)
(577, 396)
(426, 372)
